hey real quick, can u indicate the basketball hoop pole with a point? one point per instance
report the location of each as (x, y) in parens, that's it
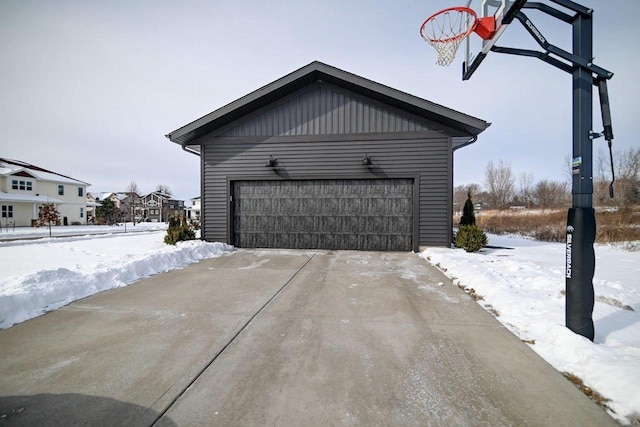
(445, 34)
(581, 221)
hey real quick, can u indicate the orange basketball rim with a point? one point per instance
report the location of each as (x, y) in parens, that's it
(445, 30)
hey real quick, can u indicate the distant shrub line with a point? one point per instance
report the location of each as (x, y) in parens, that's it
(613, 225)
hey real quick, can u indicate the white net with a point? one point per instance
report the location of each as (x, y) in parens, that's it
(446, 51)
(446, 30)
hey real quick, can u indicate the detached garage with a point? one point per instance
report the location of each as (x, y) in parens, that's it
(325, 159)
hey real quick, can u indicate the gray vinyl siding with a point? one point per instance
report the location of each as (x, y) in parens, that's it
(321, 110)
(324, 132)
(425, 157)
(319, 122)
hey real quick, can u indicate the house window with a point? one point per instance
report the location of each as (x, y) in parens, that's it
(80, 191)
(7, 211)
(21, 185)
(60, 190)
(81, 211)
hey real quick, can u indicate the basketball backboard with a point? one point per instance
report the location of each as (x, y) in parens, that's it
(504, 11)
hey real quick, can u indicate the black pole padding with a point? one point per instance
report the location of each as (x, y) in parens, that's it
(580, 266)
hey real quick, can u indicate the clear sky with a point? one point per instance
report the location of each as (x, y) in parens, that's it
(89, 88)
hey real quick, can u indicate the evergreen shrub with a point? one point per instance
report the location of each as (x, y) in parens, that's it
(179, 230)
(468, 214)
(471, 238)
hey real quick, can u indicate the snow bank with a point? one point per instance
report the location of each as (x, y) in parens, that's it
(525, 286)
(86, 267)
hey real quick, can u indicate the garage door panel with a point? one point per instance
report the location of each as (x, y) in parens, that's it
(398, 225)
(324, 214)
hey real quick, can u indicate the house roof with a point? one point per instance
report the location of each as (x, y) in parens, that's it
(457, 123)
(108, 195)
(28, 198)
(20, 168)
(159, 194)
(105, 194)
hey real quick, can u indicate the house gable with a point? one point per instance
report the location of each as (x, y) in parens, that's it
(155, 199)
(24, 174)
(323, 109)
(450, 122)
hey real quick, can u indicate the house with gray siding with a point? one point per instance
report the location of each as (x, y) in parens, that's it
(325, 159)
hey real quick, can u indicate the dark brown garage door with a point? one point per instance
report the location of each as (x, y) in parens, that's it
(363, 214)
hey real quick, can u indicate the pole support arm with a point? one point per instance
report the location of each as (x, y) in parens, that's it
(575, 60)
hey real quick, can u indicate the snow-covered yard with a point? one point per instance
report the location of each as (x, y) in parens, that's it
(41, 275)
(522, 286)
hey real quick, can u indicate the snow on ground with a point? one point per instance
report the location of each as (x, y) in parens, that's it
(40, 275)
(10, 233)
(525, 286)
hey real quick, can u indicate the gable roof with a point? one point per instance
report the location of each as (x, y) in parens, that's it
(159, 194)
(20, 168)
(458, 124)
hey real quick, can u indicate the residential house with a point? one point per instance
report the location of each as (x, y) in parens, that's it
(129, 203)
(116, 198)
(193, 211)
(157, 206)
(24, 188)
(92, 203)
(131, 207)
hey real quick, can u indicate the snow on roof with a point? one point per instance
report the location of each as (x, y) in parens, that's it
(9, 167)
(28, 198)
(159, 194)
(5, 170)
(108, 194)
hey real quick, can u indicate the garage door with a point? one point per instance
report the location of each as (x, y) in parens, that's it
(365, 214)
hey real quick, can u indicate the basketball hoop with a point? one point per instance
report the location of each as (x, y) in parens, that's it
(446, 29)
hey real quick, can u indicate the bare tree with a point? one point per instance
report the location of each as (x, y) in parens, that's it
(602, 178)
(551, 194)
(474, 189)
(628, 176)
(163, 188)
(48, 215)
(133, 188)
(627, 170)
(460, 193)
(567, 170)
(525, 189)
(499, 183)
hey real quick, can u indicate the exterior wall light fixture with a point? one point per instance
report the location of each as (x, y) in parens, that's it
(271, 163)
(366, 161)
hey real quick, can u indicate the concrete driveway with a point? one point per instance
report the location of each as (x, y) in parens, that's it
(282, 338)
